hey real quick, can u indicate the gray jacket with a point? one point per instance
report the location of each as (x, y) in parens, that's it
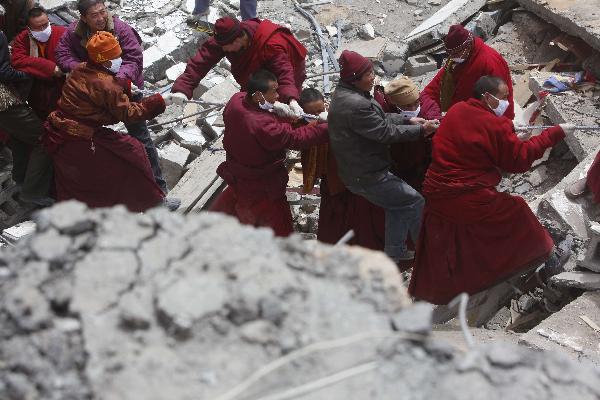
(360, 133)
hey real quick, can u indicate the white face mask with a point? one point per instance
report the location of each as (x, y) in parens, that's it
(265, 105)
(502, 106)
(458, 60)
(115, 65)
(410, 114)
(42, 36)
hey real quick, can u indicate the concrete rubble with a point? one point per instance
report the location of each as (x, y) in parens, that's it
(105, 304)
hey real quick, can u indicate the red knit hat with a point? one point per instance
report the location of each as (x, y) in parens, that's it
(457, 36)
(227, 29)
(353, 66)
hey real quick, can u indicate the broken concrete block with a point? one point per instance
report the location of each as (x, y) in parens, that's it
(221, 93)
(210, 126)
(189, 137)
(415, 319)
(570, 107)
(565, 331)
(577, 279)
(211, 80)
(419, 65)
(174, 72)
(482, 25)
(162, 55)
(50, 5)
(592, 255)
(172, 158)
(434, 28)
(579, 18)
(367, 32)
(371, 49)
(19, 231)
(394, 57)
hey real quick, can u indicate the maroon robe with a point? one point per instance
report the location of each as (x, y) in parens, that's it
(472, 236)
(483, 60)
(255, 143)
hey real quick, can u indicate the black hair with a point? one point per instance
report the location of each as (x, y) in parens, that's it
(35, 12)
(84, 5)
(487, 84)
(309, 95)
(259, 81)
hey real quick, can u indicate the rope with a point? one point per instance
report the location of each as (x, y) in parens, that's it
(462, 300)
(345, 239)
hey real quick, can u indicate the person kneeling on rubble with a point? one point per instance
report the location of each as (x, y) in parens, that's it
(255, 141)
(94, 164)
(474, 237)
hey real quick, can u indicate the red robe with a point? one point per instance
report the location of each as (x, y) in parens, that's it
(472, 236)
(593, 178)
(483, 60)
(46, 89)
(271, 46)
(93, 164)
(255, 143)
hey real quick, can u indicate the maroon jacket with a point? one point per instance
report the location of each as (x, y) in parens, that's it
(271, 46)
(256, 142)
(46, 88)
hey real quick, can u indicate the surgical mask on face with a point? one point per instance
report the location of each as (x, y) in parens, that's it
(115, 65)
(265, 105)
(502, 106)
(458, 60)
(410, 114)
(42, 36)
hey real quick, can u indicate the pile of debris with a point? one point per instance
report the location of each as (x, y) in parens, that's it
(105, 304)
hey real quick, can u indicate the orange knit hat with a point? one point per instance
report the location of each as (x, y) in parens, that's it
(103, 46)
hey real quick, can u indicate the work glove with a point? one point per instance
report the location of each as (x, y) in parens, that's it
(296, 109)
(175, 98)
(283, 110)
(567, 128)
(323, 116)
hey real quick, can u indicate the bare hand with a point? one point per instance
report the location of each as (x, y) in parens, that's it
(57, 73)
(417, 121)
(429, 127)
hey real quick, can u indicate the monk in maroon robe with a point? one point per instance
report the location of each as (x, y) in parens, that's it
(249, 46)
(255, 141)
(469, 58)
(94, 164)
(473, 236)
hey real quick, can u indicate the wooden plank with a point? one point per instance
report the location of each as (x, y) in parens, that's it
(200, 177)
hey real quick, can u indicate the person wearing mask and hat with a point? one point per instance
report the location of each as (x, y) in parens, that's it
(474, 237)
(92, 163)
(32, 168)
(255, 141)
(360, 133)
(469, 58)
(71, 51)
(34, 52)
(409, 159)
(249, 46)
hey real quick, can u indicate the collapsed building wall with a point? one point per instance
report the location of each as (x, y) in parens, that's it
(105, 304)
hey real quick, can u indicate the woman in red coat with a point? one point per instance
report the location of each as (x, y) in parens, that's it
(473, 236)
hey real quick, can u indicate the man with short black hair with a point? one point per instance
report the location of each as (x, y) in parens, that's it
(256, 140)
(473, 236)
(71, 52)
(34, 52)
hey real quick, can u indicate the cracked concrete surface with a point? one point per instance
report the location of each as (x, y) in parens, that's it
(105, 304)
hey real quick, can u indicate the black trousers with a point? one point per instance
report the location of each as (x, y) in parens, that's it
(32, 169)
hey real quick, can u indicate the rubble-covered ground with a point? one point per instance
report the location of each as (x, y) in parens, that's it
(105, 304)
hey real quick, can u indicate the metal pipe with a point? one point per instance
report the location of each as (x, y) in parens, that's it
(182, 118)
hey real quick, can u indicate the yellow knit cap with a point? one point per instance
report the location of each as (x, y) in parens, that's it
(402, 91)
(102, 47)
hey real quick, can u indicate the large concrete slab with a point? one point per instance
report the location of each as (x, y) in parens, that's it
(200, 177)
(372, 49)
(577, 279)
(571, 107)
(435, 27)
(566, 332)
(569, 214)
(577, 17)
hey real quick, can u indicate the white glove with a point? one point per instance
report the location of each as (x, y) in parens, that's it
(175, 98)
(296, 109)
(283, 110)
(323, 116)
(567, 128)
